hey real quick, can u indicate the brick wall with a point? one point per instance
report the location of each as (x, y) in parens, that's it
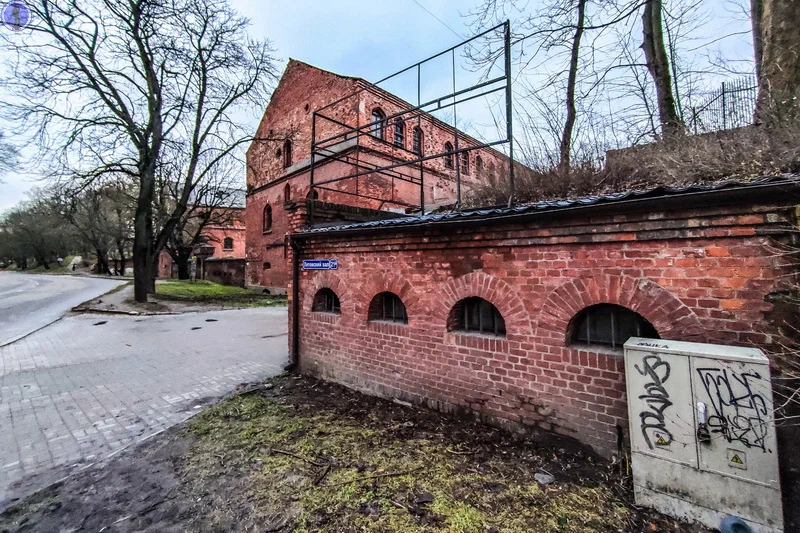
(700, 274)
(225, 271)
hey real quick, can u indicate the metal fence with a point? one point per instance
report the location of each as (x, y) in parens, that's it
(730, 106)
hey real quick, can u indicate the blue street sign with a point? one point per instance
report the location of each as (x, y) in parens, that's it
(320, 264)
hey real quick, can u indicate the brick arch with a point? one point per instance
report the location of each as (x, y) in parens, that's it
(387, 282)
(488, 287)
(665, 311)
(327, 280)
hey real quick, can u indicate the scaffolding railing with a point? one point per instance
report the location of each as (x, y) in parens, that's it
(409, 165)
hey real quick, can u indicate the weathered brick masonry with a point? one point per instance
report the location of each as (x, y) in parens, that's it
(698, 266)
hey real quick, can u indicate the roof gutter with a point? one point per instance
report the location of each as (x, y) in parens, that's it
(689, 199)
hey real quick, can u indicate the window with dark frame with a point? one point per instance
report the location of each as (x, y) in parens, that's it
(476, 315)
(326, 301)
(287, 193)
(478, 163)
(448, 158)
(267, 221)
(287, 153)
(388, 307)
(227, 243)
(399, 132)
(378, 123)
(417, 141)
(464, 162)
(609, 325)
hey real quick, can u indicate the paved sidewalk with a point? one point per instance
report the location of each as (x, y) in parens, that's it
(78, 390)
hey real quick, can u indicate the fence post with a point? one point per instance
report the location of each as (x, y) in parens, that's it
(724, 109)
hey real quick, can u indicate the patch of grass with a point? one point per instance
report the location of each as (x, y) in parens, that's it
(376, 477)
(203, 291)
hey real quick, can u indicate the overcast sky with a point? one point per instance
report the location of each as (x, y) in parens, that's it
(371, 38)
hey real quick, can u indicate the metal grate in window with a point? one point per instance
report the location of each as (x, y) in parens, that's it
(480, 316)
(326, 301)
(389, 307)
(610, 325)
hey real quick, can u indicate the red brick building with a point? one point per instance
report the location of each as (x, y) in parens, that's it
(220, 240)
(519, 314)
(278, 161)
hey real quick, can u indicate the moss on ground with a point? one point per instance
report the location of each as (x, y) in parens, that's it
(377, 479)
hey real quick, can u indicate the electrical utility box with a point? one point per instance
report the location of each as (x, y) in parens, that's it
(703, 432)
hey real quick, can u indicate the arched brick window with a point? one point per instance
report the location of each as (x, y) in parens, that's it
(417, 141)
(448, 158)
(287, 153)
(464, 162)
(267, 220)
(476, 315)
(387, 306)
(609, 325)
(378, 123)
(478, 164)
(326, 301)
(227, 244)
(287, 193)
(399, 132)
(313, 194)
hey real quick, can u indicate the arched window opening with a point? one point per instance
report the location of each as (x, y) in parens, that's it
(448, 158)
(417, 141)
(313, 194)
(267, 221)
(388, 307)
(267, 266)
(464, 162)
(476, 315)
(399, 132)
(609, 325)
(227, 244)
(478, 164)
(287, 153)
(378, 122)
(287, 193)
(326, 301)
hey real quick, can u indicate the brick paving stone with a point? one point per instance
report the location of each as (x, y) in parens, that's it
(75, 392)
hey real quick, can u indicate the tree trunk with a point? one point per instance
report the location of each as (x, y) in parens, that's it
(141, 254)
(779, 71)
(102, 262)
(184, 255)
(655, 54)
(569, 124)
(757, 21)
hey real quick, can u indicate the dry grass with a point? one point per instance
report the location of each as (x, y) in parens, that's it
(744, 153)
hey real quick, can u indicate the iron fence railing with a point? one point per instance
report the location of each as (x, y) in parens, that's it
(730, 106)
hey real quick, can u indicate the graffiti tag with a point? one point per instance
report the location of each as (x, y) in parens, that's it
(739, 413)
(657, 400)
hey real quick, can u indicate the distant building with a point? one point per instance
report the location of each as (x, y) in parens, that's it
(224, 238)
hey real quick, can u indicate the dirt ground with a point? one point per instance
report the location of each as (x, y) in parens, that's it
(301, 455)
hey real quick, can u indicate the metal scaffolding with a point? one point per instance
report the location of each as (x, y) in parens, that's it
(335, 147)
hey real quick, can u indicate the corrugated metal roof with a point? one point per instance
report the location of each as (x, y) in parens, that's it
(556, 205)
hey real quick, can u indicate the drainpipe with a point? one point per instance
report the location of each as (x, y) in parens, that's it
(295, 353)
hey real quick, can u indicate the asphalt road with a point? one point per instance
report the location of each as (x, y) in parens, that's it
(29, 302)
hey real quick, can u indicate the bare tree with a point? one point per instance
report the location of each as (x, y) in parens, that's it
(8, 155)
(655, 54)
(213, 203)
(108, 84)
